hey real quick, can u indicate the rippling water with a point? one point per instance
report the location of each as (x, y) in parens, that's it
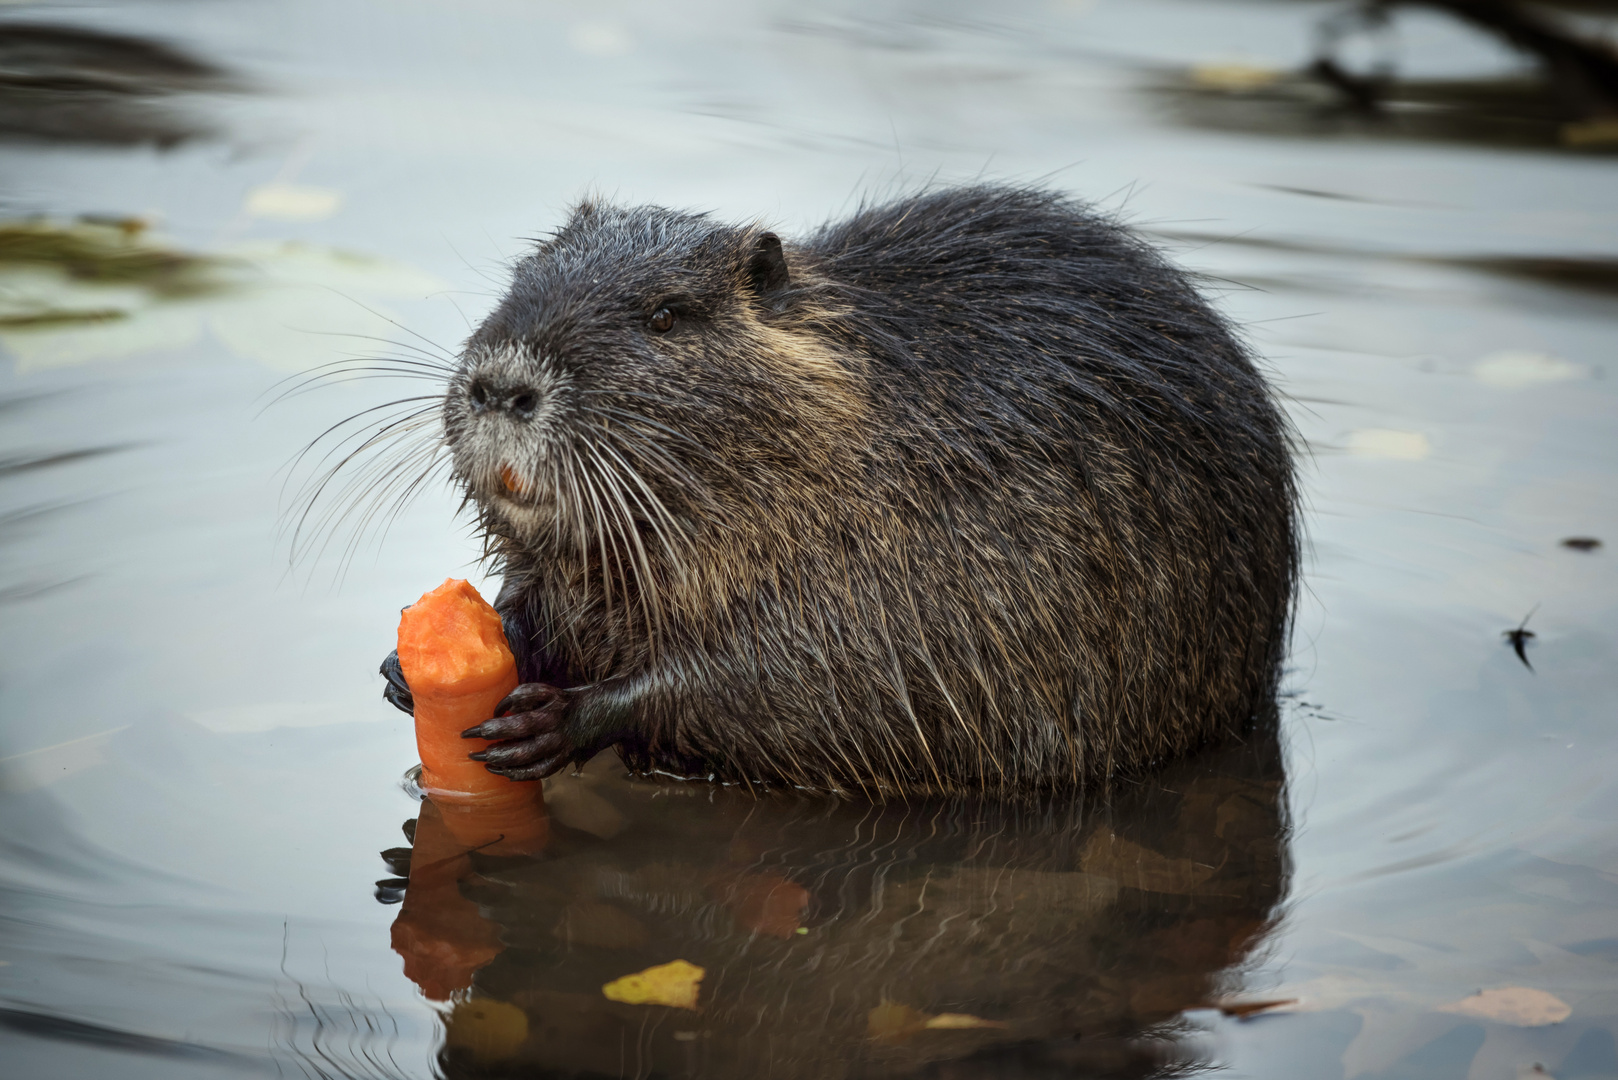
(197, 773)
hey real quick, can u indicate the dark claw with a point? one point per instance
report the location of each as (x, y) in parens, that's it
(390, 890)
(523, 725)
(397, 692)
(535, 772)
(398, 860)
(529, 697)
(529, 733)
(522, 753)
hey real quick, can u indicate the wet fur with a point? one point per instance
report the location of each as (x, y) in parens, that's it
(984, 497)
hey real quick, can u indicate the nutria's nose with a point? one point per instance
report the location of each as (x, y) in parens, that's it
(520, 401)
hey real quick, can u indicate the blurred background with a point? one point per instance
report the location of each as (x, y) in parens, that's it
(1409, 209)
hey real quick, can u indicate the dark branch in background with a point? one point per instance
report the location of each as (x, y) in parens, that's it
(72, 84)
(1584, 73)
(1362, 92)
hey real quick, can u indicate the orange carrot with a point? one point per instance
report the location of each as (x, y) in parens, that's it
(453, 652)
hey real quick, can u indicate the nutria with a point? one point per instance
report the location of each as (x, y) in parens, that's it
(971, 490)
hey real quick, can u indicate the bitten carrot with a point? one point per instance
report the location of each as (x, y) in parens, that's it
(453, 652)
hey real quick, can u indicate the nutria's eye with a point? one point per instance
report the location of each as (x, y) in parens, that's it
(663, 320)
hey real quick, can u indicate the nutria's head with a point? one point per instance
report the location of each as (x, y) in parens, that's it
(635, 364)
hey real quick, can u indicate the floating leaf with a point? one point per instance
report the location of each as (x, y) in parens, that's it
(91, 289)
(1521, 1006)
(1234, 78)
(1243, 1009)
(891, 1020)
(490, 1030)
(1516, 370)
(673, 984)
(960, 1022)
(107, 252)
(292, 202)
(1389, 443)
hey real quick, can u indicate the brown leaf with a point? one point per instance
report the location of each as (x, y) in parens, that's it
(763, 903)
(1243, 1009)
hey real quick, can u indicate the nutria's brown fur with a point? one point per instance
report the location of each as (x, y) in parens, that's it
(971, 490)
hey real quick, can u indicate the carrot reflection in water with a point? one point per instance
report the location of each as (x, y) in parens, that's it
(443, 936)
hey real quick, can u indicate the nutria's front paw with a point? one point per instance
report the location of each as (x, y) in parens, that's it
(530, 733)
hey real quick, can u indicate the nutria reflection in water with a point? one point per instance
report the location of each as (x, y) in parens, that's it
(830, 932)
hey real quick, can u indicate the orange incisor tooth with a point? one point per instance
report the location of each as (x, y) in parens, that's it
(513, 482)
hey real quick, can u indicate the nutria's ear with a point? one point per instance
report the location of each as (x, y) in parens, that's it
(767, 267)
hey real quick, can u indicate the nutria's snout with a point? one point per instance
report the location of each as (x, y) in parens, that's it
(501, 423)
(520, 401)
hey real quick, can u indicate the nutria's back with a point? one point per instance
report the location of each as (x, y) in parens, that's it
(969, 490)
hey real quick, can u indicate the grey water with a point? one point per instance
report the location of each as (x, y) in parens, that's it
(208, 864)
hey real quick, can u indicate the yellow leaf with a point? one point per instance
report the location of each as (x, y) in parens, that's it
(673, 984)
(960, 1022)
(1234, 78)
(1521, 1006)
(491, 1030)
(890, 1020)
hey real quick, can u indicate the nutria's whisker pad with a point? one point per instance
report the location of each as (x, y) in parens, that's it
(971, 490)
